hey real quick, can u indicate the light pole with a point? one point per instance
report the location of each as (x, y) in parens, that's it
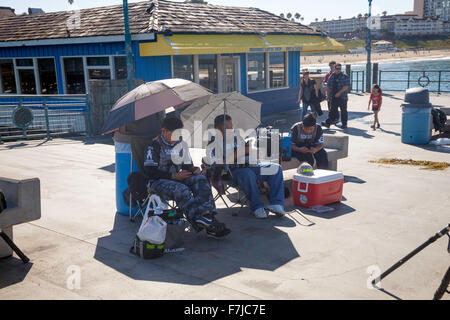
(369, 50)
(128, 49)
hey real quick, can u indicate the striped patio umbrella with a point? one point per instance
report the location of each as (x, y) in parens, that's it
(150, 98)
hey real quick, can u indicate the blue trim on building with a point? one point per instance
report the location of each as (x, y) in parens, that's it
(160, 67)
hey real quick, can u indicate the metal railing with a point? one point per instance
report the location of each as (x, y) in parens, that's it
(50, 116)
(437, 81)
(357, 79)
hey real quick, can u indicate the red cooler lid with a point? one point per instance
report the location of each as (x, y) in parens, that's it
(320, 176)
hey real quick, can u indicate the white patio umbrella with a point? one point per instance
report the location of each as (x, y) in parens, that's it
(200, 115)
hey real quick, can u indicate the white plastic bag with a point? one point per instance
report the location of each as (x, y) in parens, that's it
(156, 204)
(153, 229)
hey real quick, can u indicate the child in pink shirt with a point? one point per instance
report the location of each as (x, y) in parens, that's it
(376, 99)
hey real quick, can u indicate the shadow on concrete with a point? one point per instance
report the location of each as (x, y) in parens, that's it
(253, 243)
(429, 147)
(390, 132)
(391, 96)
(17, 145)
(389, 294)
(357, 132)
(106, 139)
(353, 180)
(352, 115)
(340, 209)
(13, 271)
(110, 168)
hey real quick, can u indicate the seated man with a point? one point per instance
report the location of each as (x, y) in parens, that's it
(247, 175)
(182, 183)
(307, 142)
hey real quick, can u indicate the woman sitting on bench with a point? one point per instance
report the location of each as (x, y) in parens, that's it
(307, 142)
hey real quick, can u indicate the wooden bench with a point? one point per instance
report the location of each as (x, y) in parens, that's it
(23, 200)
(336, 147)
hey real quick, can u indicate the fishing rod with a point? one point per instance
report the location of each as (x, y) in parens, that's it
(445, 281)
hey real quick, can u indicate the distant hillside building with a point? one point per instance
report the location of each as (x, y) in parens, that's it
(401, 25)
(418, 27)
(432, 9)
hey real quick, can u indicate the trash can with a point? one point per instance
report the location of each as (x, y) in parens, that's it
(416, 117)
(146, 128)
(125, 164)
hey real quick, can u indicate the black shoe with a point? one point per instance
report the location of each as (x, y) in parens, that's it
(325, 124)
(344, 127)
(213, 227)
(217, 234)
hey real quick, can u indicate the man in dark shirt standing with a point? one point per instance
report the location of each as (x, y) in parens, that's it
(337, 92)
(168, 165)
(332, 65)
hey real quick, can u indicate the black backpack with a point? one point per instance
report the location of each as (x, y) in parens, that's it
(2, 201)
(439, 119)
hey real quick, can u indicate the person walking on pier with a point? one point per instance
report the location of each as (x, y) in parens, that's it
(337, 93)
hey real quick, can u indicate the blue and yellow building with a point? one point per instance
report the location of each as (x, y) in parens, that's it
(223, 48)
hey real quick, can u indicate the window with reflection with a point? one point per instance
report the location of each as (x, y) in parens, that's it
(207, 71)
(99, 74)
(74, 75)
(277, 70)
(97, 61)
(256, 74)
(120, 66)
(27, 81)
(47, 76)
(7, 76)
(183, 67)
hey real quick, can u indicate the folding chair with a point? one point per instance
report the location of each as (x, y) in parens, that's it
(142, 198)
(221, 180)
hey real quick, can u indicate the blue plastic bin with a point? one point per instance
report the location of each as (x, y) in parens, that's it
(416, 117)
(286, 147)
(416, 125)
(124, 162)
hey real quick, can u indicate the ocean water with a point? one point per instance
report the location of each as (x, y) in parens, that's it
(427, 70)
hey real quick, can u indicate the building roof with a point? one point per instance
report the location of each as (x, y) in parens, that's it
(382, 42)
(6, 12)
(165, 15)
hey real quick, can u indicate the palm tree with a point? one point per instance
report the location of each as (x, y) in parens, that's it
(324, 19)
(384, 13)
(317, 19)
(340, 17)
(282, 15)
(297, 16)
(289, 15)
(360, 16)
(366, 15)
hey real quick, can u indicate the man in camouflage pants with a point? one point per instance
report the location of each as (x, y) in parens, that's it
(183, 182)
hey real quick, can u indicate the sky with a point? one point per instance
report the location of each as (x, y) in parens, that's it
(310, 10)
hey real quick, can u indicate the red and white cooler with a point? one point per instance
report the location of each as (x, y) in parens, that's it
(323, 188)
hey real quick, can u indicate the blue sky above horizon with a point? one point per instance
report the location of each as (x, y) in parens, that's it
(310, 10)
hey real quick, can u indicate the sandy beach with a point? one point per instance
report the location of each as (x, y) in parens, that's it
(319, 60)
